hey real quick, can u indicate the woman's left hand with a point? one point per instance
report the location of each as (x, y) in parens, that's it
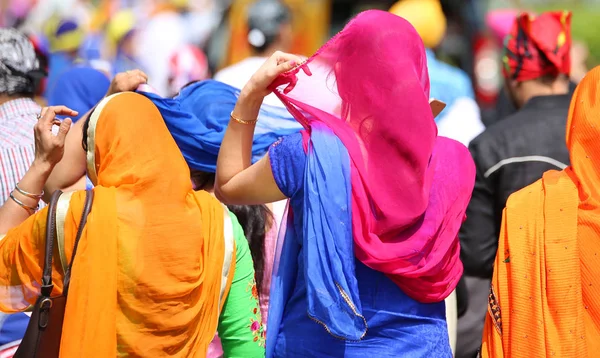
(277, 64)
(49, 148)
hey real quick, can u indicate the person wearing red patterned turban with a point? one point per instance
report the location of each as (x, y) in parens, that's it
(516, 150)
(537, 57)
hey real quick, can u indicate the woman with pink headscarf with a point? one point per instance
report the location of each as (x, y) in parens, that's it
(370, 248)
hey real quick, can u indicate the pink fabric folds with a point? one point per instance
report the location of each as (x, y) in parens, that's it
(410, 188)
(500, 22)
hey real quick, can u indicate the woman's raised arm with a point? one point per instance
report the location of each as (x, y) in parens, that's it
(237, 181)
(49, 149)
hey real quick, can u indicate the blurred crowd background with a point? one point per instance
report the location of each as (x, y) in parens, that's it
(177, 41)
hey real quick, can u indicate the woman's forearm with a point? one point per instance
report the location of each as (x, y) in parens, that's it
(73, 164)
(235, 154)
(13, 214)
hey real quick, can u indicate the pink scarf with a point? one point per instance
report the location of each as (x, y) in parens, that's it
(410, 188)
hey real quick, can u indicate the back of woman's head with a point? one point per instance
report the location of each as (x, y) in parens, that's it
(379, 63)
(373, 77)
(128, 143)
(382, 80)
(256, 221)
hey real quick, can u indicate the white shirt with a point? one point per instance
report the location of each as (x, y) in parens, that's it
(164, 34)
(239, 74)
(461, 121)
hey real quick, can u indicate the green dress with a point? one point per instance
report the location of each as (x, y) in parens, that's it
(240, 325)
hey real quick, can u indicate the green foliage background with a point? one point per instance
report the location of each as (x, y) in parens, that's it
(585, 24)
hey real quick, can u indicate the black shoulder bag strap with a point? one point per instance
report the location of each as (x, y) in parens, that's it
(44, 331)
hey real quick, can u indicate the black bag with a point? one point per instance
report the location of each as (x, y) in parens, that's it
(42, 338)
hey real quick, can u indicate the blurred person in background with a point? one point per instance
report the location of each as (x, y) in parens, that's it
(120, 36)
(269, 30)
(19, 72)
(158, 38)
(517, 150)
(41, 47)
(460, 120)
(14, 12)
(79, 89)
(500, 23)
(543, 301)
(579, 57)
(65, 36)
(188, 64)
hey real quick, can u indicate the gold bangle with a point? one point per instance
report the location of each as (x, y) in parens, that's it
(30, 209)
(241, 121)
(29, 195)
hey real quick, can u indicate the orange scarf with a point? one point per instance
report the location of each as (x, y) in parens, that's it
(544, 299)
(148, 275)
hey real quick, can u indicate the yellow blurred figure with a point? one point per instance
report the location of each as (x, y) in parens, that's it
(427, 18)
(180, 4)
(64, 35)
(121, 24)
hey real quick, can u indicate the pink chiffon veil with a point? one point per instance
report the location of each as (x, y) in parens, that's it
(369, 86)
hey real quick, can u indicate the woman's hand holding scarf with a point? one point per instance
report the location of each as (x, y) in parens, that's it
(262, 82)
(235, 176)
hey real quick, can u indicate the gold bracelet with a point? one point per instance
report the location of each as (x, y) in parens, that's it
(29, 195)
(241, 121)
(30, 209)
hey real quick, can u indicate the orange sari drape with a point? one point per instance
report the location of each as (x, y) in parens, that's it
(148, 276)
(545, 294)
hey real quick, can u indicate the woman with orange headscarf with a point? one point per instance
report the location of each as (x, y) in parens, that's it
(159, 267)
(543, 300)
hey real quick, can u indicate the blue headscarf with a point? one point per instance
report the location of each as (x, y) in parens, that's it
(79, 88)
(198, 116)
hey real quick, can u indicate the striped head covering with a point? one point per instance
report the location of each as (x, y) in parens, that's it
(19, 66)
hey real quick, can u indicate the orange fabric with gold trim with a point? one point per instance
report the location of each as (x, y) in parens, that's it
(546, 282)
(147, 276)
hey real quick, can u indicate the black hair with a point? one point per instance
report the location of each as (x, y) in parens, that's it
(86, 125)
(256, 220)
(202, 180)
(265, 17)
